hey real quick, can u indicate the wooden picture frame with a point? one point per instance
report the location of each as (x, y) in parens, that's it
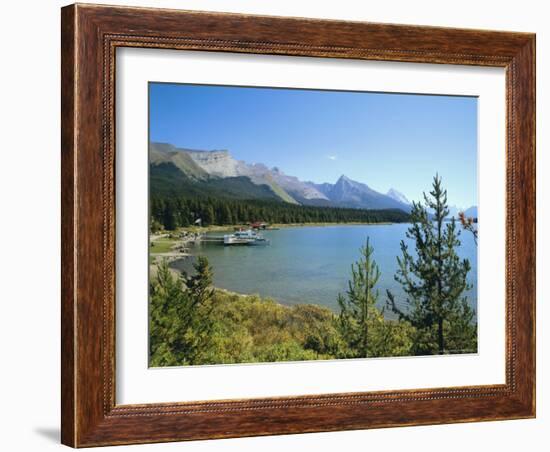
(90, 36)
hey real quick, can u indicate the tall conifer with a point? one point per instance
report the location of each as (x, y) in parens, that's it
(434, 279)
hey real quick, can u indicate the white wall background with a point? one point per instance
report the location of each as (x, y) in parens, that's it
(30, 190)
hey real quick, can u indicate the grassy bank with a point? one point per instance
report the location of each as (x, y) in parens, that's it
(162, 245)
(251, 329)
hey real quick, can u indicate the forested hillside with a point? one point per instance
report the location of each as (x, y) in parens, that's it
(177, 200)
(182, 211)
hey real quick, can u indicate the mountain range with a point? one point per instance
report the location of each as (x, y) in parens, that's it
(217, 173)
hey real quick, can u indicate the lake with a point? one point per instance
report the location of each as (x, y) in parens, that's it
(311, 264)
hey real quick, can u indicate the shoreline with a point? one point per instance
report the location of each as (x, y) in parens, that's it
(231, 227)
(220, 290)
(269, 300)
(353, 223)
(174, 239)
(188, 256)
(183, 259)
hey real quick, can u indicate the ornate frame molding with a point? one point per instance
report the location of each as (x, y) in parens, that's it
(90, 37)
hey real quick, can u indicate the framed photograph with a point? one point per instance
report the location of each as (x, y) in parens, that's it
(281, 225)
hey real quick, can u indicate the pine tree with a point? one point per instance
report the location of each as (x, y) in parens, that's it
(208, 216)
(180, 323)
(434, 278)
(225, 214)
(358, 309)
(169, 217)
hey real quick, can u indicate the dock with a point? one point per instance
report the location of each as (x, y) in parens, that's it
(211, 239)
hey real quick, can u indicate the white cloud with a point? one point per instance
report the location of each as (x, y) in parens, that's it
(332, 157)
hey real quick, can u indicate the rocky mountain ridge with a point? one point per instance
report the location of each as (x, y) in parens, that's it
(202, 165)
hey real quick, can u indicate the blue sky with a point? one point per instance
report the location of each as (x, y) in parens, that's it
(383, 140)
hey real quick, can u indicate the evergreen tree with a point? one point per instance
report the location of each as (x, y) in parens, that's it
(169, 217)
(199, 285)
(434, 278)
(358, 310)
(225, 214)
(208, 216)
(172, 212)
(180, 323)
(183, 212)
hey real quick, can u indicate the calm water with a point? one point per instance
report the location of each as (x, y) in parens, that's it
(312, 264)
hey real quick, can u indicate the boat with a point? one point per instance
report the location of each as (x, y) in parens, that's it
(248, 237)
(259, 241)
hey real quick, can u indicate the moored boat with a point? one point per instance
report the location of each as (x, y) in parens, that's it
(248, 237)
